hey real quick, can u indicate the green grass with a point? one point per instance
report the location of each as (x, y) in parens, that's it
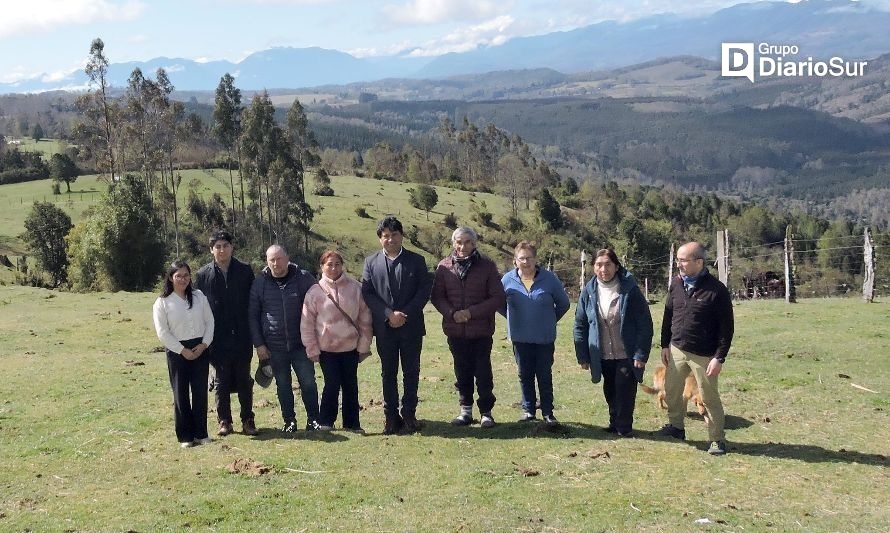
(336, 223)
(47, 147)
(87, 439)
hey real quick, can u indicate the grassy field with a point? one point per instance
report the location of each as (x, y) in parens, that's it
(47, 147)
(87, 439)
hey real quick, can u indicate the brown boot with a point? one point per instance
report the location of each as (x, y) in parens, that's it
(225, 428)
(249, 428)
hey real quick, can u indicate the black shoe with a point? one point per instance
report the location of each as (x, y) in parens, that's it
(290, 426)
(551, 420)
(610, 429)
(393, 425)
(629, 434)
(670, 431)
(312, 425)
(411, 424)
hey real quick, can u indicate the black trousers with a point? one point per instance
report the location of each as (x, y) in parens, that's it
(472, 360)
(620, 390)
(395, 347)
(232, 366)
(188, 379)
(340, 374)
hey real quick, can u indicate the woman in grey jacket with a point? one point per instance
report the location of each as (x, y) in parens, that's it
(613, 336)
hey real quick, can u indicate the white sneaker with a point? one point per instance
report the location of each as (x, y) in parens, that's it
(487, 420)
(188, 444)
(205, 440)
(321, 427)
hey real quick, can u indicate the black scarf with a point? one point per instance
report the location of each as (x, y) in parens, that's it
(462, 265)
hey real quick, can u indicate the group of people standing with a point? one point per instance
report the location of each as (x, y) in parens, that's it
(294, 322)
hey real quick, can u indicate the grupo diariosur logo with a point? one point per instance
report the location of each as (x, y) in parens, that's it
(738, 60)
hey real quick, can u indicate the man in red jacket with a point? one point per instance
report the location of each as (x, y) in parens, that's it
(468, 292)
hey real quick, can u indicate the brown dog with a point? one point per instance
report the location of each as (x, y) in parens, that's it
(690, 391)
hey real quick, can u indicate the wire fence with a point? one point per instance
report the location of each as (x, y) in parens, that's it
(825, 267)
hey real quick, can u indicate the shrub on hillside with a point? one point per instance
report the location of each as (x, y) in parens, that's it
(118, 246)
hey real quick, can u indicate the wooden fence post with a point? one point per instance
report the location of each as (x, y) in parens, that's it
(868, 281)
(723, 256)
(671, 259)
(583, 271)
(790, 289)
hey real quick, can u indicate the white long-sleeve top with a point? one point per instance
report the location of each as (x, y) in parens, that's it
(175, 322)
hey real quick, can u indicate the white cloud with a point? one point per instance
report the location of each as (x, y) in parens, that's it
(376, 51)
(493, 32)
(26, 17)
(20, 73)
(437, 11)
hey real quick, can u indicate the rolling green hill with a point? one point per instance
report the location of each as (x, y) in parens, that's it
(336, 223)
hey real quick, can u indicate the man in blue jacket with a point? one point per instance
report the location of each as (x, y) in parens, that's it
(276, 305)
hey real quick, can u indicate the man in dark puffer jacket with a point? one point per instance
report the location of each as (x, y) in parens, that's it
(276, 304)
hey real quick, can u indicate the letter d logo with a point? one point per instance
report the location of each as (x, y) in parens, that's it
(737, 60)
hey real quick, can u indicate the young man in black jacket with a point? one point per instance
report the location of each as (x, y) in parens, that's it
(226, 282)
(696, 334)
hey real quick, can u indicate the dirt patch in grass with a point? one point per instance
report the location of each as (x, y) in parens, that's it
(248, 467)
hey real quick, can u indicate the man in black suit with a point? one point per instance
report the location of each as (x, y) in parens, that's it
(396, 286)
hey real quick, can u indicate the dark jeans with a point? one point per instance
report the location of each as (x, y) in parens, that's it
(282, 362)
(340, 373)
(233, 375)
(620, 390)
(535, 361)
(393, 347)
(189, 414)
(472, 359)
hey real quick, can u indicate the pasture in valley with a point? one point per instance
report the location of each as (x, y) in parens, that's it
(87, 439)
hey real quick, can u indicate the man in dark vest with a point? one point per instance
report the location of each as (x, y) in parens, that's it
(226, 282)
(396, 286)
(696, 333)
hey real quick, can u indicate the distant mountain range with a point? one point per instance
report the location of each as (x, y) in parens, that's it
(820, 28)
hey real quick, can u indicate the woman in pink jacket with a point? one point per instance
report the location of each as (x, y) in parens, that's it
(336, 330)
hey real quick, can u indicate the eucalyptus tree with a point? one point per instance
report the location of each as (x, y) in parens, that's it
(303, 142)
(100, 113)
(262, 141)
(227, 129)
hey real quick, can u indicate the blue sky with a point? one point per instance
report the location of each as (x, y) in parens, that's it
(50, 38)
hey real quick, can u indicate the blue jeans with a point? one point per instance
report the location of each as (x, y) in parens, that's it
(282, 362)
(535, 361)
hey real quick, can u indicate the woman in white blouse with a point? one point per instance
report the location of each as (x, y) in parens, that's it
(184, 323)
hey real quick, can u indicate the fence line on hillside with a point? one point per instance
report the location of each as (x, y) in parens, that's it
(812, 274)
